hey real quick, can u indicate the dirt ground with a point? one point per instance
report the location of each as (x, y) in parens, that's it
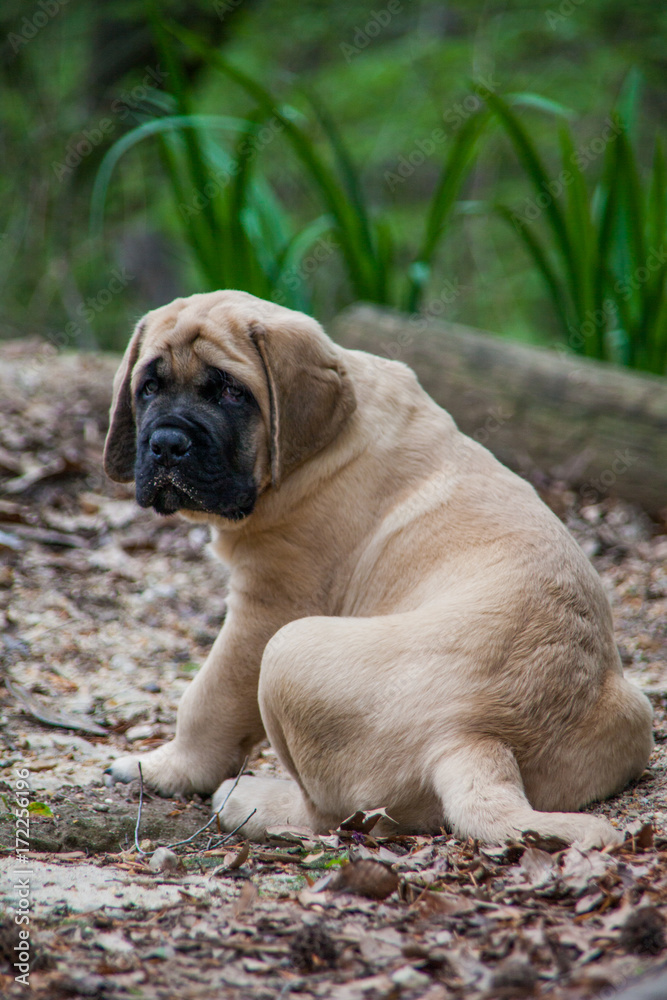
(105, 612)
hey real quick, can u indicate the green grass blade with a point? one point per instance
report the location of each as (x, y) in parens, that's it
(239, 214)
(530, 159)
(628, 101)
(360, 267)
(348, 171)
(452, 176)
(528, 99)
(583, 240)
(136, 135)
(657, 197)
(196, 232)
(634, 195)
(536, 251)
(290, 275)
(654, 302)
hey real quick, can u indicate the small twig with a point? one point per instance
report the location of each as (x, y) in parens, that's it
(216, 814)
(141, 802)
(235, 830)
(214, 817)
(236, 781)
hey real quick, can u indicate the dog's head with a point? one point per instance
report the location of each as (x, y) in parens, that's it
(220, 396)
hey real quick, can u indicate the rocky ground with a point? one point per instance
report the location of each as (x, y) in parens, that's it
(105, 612)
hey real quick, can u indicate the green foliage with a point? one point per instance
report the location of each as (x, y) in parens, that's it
(241, 235)
(235, 227)
(40, 809)
(384, 95)
(601, 250)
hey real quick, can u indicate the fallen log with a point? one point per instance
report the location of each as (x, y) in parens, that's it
(546, 414)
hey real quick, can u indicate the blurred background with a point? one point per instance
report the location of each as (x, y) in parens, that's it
(496, 164)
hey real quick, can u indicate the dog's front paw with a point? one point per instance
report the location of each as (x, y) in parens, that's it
(595, 832)
(167, 770)
(123, 769)
(580, 829)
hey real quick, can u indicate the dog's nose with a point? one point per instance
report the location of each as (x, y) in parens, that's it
(169, 445)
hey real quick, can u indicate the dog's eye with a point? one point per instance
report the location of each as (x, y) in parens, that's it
(232, 391)
(150, 387)
(221, 386)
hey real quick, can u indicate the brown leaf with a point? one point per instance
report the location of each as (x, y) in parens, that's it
(538, 866)
(580, 867)
(507, 854)
(363, 821)
(640, 836)
(551, 844)
(45, 536)
(365, 878)
(238, 859)
(47, 715)
(246, 899)
(291, 835)
(444, 904)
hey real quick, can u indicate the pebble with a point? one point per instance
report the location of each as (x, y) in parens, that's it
(410, 979)
(165, 860)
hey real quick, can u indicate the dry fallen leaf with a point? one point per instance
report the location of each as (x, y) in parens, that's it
(238, 859)
(45, 714)
(365, 878)
(538, 866)
(431, 904)
(363, 821)
(246, 899)
(301, 835)
(640, 835)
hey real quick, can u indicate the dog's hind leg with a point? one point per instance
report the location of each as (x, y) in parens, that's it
(482, 795)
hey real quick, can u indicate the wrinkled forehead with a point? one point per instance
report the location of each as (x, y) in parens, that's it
(183, 343)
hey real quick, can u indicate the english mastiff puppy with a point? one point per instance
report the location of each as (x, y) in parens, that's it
(408, 623)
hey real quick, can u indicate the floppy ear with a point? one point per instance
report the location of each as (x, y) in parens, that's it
(120, 448)
(310, 394)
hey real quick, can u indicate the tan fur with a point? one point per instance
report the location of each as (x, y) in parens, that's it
(408, 623)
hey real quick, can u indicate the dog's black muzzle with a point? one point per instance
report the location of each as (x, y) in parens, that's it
(186, 461)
